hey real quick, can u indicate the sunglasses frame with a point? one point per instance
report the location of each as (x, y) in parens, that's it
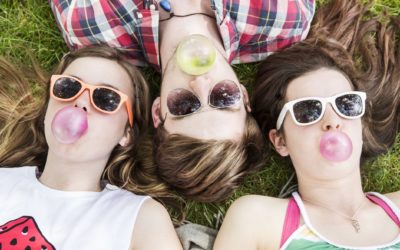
(324, 101)
(91, 88)
(208, 103)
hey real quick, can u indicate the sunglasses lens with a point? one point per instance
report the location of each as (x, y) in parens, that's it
(106, 99)
(224, 94)
(307, 111)
(350, 105)
(182, 102)
(66, 88)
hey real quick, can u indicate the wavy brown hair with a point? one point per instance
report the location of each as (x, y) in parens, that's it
(204, 169)
(342, 39)
(22, 139)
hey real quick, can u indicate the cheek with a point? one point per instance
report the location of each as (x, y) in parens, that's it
(356, 135)
(302, 142)
(52, 108)
(109, 126)
(296, 135)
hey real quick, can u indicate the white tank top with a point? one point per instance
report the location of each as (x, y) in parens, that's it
(34, 216)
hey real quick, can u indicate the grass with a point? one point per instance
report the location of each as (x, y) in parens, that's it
(29, 24)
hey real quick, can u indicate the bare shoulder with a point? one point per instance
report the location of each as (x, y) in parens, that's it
(153, 208)
(395, 197)
(265, 212)
(256, 220)
(154, 229)
(151, 212)
(258, 206)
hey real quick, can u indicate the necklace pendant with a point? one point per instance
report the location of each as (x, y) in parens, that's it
(356, 225)
(166, 5)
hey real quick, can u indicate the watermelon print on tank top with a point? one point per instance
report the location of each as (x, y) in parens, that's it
(23, 234)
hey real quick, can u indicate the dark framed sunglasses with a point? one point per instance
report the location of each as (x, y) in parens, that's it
(309, 110)
(224, 94)
(104, 99)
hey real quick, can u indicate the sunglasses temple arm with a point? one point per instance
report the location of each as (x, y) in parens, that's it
(281, 117)
(129, 110)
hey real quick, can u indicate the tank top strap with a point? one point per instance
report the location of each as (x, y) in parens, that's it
(387, 205)
(292, 220)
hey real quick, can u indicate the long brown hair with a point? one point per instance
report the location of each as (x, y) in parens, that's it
(22, 140)
(363, 50)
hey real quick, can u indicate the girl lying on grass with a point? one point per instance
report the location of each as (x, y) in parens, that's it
(328, 112)
(67, 159)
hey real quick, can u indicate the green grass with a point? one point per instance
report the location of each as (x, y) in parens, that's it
(391, 6)
(30, 25)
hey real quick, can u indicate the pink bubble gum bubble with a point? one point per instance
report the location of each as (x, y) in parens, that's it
(335, 146)
(69, 124)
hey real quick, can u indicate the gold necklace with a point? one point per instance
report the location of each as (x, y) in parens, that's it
(353, 219)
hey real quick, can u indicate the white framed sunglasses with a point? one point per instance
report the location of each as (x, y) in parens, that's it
(309, 110)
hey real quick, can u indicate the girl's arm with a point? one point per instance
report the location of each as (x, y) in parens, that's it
(154, 229)
(252, 222)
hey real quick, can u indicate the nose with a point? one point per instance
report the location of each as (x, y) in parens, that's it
(83, 101)
(201, 86)
(331, 120)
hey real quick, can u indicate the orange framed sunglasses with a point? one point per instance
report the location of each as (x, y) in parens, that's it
(104, 99)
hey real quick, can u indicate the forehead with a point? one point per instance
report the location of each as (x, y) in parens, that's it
(98, 71)
(319, 83)
(214, 124)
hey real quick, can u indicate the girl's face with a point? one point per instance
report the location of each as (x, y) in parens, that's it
(104, 131)
(302, 143)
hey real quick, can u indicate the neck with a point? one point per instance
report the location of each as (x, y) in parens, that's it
(69, 175)
(175, 29)
(343, 194)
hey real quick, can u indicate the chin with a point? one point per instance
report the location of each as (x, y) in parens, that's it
(341, 168)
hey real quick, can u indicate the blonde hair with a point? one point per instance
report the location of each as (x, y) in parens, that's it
(22, 139)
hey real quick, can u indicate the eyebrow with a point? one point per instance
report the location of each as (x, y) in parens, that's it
(100, 83)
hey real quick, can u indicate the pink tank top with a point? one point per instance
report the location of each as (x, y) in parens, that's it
(293, 214)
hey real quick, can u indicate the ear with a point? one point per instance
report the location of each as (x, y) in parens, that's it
(156, 111)
(126, 139)
(278, 141)
(246, 98)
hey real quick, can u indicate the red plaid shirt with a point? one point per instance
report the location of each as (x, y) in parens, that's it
(250, 29)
